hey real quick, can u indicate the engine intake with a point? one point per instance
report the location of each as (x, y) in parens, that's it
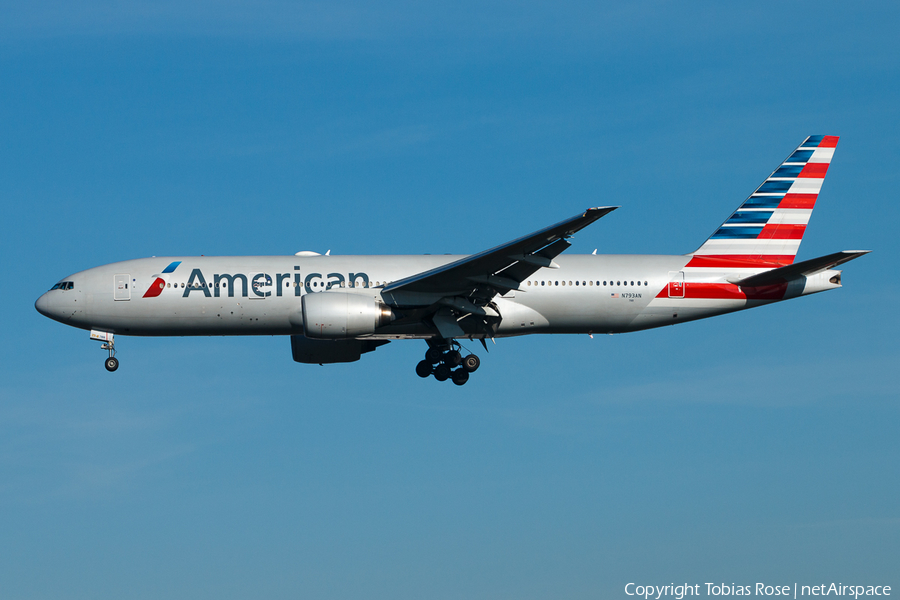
(338, 315)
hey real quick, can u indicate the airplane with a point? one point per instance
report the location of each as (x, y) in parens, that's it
(336, 308)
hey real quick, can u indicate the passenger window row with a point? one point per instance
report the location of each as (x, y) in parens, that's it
(602, 283)
(68, 285)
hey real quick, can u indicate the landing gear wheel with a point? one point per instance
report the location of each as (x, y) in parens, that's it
(110, 363)
(452, 358)
(460, 376)
(471, 363)
(424, 368)
(442, 372)
(433, 355)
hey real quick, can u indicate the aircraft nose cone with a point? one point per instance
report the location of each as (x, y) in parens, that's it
(42, 305)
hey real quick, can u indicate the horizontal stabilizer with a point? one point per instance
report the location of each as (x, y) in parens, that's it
(801, 269)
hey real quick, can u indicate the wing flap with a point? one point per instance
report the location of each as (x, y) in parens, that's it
(447, 326)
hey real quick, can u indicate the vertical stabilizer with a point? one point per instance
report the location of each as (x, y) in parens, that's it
(769, 226)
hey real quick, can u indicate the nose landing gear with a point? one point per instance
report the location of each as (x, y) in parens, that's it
(444, 361)
(109, 343)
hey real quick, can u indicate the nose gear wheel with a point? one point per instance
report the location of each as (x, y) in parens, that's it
(111, 363)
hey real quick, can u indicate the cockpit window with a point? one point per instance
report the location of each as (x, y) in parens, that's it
(63, 285)
(55, 287)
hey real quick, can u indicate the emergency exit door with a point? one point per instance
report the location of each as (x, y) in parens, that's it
(122, 287)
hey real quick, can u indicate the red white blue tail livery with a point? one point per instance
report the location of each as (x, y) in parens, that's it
(769, 226)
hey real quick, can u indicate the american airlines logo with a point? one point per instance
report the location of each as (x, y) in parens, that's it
(260, 285)
(160, 280)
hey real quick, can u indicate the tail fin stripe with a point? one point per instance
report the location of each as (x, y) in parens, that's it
(749, 216)
(799, 201)
(781, 231)
(739, 261)
(764, 201)
(740, 244)
(807, 186)
(814, 170)
(762, 250)
(788, 171)
(812, 141)
(821, 155)
(800, 156)
(749, 233)
(775, 186)
(820, 141)
(790, 216)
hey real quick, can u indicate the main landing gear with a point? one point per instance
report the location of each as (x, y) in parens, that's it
(445, 362)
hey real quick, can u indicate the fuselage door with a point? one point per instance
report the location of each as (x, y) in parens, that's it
(122, 287)
(676, 284)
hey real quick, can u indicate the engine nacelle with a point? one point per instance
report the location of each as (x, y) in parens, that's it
(337, 315)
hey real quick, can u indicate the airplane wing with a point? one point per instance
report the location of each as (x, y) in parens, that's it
(503, 268)
(807, 267)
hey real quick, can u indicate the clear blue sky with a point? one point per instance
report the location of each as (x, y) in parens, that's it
(760, 446)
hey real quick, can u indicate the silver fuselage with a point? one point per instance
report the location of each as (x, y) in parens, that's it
(261, 295)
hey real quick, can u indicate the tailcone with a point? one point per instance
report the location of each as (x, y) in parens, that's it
(822, 281)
